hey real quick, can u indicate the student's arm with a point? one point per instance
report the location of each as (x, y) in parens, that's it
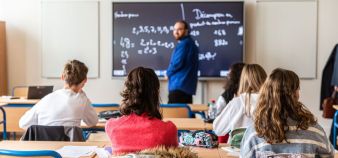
(89, 115)
(29, 118)
(328, 150)
(220, 104)
(177, 61)
(223, 122)
(246, 144)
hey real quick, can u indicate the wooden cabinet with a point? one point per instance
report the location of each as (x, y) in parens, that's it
(3, 59)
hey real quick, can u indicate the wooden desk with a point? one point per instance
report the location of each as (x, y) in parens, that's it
(19, 101)
(214, 153)
(181, 124)
(3, 121)
(198, 107)
(17, 107)
(189, 123)
(14, 110)
(44, 145)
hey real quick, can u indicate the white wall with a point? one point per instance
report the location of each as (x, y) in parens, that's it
(24, 52)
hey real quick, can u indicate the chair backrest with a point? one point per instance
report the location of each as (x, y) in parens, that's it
(32, 153)
(176, 111)
(53, 133)
(20, 91)
(104, 107)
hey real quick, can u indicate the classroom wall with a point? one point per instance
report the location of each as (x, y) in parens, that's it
(23, 20)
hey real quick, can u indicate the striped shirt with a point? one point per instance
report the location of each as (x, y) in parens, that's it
(311, 142)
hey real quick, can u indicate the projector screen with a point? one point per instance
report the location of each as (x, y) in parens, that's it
(142, 35)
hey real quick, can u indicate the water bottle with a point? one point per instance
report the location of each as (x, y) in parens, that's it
(212, 110)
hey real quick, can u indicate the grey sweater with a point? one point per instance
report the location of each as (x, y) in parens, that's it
(311, 142)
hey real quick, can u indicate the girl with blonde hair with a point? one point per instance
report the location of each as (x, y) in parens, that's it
(282, 124)
(238, 112)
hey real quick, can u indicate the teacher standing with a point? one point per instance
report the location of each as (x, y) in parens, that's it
(183, 66)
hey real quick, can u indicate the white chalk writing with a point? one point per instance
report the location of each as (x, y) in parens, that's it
(125, 15)
(214, 23)
(220, 42)
(152, 29)
(151, 42)
(207, 56)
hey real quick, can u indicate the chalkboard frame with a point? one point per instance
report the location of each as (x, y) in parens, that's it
(202, 78)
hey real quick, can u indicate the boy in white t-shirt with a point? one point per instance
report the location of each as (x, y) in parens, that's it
(64, 107)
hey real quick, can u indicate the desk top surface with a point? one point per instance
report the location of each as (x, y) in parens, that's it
(181, 124)
(19, 101)
(44, 145)
(198, 107)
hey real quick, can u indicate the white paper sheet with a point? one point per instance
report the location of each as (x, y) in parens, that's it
(76, 151)
(232, 150)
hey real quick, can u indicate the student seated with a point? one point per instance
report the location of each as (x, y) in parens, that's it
(64, 107)
(230, 87)
(282, 124)
(238, 112)
(141, 126)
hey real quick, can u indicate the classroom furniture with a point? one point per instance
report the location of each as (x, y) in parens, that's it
(105, 106)
(199, 109)
(4, 121)
(181, 124)
(30, 153)
(189, 123)
(3, 60)
(74, 35)
(287, 34)
(335, 126)
(45, 145)
(53, 133)
(176, 111)
(213, 152)
(14, 109)
(20, 91)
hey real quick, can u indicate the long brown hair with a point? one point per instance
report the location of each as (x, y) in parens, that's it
(141, 93)
(277, 103)
(252, 78)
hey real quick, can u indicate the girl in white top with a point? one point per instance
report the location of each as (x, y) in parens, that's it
(64, 107)
(239, 110)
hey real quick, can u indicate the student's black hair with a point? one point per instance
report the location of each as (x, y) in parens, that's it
(232, 83)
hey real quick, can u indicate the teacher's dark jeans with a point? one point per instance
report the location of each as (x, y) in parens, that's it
(178, 96)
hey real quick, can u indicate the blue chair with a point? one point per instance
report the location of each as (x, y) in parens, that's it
(335, 126)
(96, 105)
(4, 122)
(31, 153)
(176, 111)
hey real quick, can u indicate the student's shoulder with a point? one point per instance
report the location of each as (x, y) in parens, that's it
(50, 95)
(170, 125)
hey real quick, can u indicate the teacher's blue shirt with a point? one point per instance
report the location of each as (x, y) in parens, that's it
(183, 67)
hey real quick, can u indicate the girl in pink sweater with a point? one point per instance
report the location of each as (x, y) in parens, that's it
(141, 125)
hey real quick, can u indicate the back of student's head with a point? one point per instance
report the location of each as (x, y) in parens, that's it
(141, 93)
(277, 103)
(252, 78)
(74, 72)
(232, 82)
